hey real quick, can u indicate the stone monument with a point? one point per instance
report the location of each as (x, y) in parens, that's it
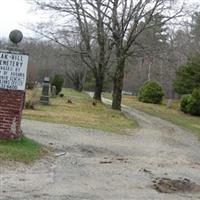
(53, 91)
(44, 99)
(13, 71)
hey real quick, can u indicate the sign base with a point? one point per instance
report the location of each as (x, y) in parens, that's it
(11, 105)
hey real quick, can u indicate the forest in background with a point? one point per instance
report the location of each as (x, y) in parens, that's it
(161, 50)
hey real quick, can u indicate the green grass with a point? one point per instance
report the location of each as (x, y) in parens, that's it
(24, 150)
(80, 113)
(173, 115)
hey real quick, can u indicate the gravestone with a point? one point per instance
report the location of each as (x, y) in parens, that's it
(45, 92)
(53, 91)
(13, 71)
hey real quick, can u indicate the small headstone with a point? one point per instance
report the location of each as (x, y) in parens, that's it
(45, 92)
(169, 103)
(53, 91)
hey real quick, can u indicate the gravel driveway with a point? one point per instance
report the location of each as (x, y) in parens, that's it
(96, 165)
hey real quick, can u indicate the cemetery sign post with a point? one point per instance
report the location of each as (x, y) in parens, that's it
(13, 69)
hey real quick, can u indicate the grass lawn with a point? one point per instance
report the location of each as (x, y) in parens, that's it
(173, 115)
(80, 113)
(24, 150)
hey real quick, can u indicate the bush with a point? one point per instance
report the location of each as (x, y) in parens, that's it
(194, 105)
(185, 101)
(33, 100)
(188, 76)
(151, 92)
(196, 93)
(191, 103)
(58, 81)
(61, 95)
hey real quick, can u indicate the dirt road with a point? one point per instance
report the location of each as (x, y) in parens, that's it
(96, 165)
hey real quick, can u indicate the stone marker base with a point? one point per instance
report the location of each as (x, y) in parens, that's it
(44, 100)
(11, 105)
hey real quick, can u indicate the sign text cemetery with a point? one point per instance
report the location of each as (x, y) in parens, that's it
(13, 67)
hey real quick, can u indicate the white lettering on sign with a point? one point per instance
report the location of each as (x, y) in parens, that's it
(13, 69)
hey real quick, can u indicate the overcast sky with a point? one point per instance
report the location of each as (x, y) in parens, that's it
(16, 13)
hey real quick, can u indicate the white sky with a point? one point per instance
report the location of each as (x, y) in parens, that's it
(16, 13)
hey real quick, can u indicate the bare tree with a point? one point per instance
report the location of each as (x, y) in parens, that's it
(107, 24)
(95, 45)
(125, 25)
(73, 69)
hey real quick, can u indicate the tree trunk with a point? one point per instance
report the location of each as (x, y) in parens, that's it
(118, 85)
(80, 89)
(78, 84)
(98, 87)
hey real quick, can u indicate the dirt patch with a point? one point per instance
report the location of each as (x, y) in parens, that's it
(93, 151)
(166, 185)
(105, 162)
(114, 160)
